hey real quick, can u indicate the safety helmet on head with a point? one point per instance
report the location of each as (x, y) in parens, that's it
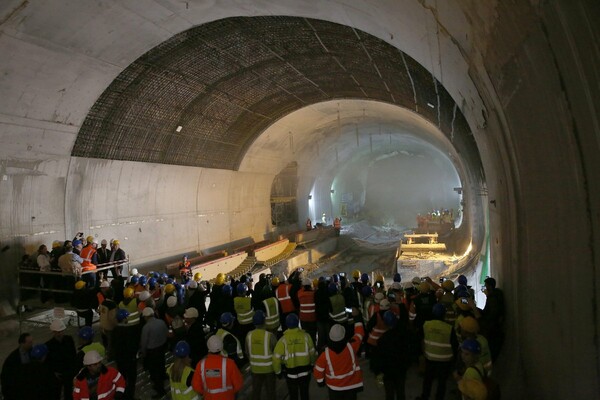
(89, 239)
(182, 349)
(258, 318)
(144, 295)
(367, 291)
(463, 306)
(169, 288)
(192, 284)
(91, 357)
(462, 279)
(438, 310)
(134, 280)
(379, 278)
(197, 276)
(152, 283)
(292, 321)
(390, 319)
(416, 281)
(154, 275)
(424, 287)
(170, 281)
(364, 277)
(191, 312)
(104, 284)
(275, 281)
(469, 325)
(384, 304)
(164, 276)
(134, 272)
(214, 344)
(116, 242)
(172, 301)
(220, 279)
(227, 318)
(315, 283)
(396, 286)
(148, 312)
(56, 243)
(448, 285)
(471, 345)
(57, 325)
(122, 314)
(473, 389)
(103, 241)
(337, 333)
(242, 288)
(79, 285)
(356, 274)
(86, 333)
(378, 297)
(227, 290)
(143, 280)
(397, 277)
(39, 351)
(128, 293)
(332, 288)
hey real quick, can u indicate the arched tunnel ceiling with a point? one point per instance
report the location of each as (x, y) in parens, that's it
(226, 81)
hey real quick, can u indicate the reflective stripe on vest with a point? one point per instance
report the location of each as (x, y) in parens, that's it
(243, 309)
(290, 358)
(379, 329)
(180, 390)
(261, 356)
(87, 253)
(272, 313)
(134, 315)
(338, 307)
(333, 375)
(284, 298)
(224, 387)
(222, 333)
(437, 340)
(307, 305)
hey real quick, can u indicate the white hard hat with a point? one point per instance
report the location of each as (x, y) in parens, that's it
(172, 301)
(134, 272)
(148, 312)
(103, 241)
(191, 312)
(193, 284)
(214, 344)
(143, 296)
(104, 284)
(337, 333)
(91, 357)
(57, 325)
(396, 286)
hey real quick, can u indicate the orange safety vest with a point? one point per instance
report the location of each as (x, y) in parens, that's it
(283, 295)
(378, 330)
(307, 305)
(217, 377)
(341, 371)
(87, 253)
(110, 382)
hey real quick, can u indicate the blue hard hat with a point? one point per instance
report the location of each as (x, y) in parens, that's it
(164, 275)
(122, 314)
(77, 243)
(438, 310)
(142, 280)
(462, 279)
(258, 318)
(227, 318)
(86, 333)
(152, 283)
(155, 275)
(397, 277)
(134, 280)
(292, 321)
(471, 345)
(170, 281)
(242, 288)
(364, 277)
(39, 351)
(332, 288)
(227, 290)
(182, 349)
(367, 290)
(390, 318)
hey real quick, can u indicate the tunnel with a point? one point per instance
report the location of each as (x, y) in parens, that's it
(164, 123)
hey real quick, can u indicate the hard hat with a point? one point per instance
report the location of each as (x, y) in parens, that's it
(170, 281)
(461, 305)
(227, 318)
(77, 243)
(462, 279)
(378, 297)
(471, 345)
(356, 274)
(384, 304)
(103, 241)
(89, 239)
(367, 291)
(143, 280)
(315, 282)
(214, 344)
(143, 296)
(275, 281)
(335, 278)
(424, 287)
(95, 242)
(379, 278)
(448, 285)
(337, 333)
(128, 293)
(397, 277)
(226, 290)
(258, 318)
(191, 312)
(416, 281)
(182, 349)
(473, 389)
(39, 351)
(57, 325)
(169, 288)
(148, 311)
(438, 310)
(197, 276)
(292, 321)
(56, 243)
(220, 279)
(122, 314)
(91, 357)
(104, 284)
(390, 319)
(396, 286)
(79, 285)
(306, 282)
(242, 288)
(192, 285)
(134, 271)
(164, 276)
(469, 325)
(364, 277)
(86, 333)
(154, 275)
(332, 288)
(116, 242)
(152, 283)
(172, 301)
(134, 280)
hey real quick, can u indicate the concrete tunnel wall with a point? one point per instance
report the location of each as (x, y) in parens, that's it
(524, 74)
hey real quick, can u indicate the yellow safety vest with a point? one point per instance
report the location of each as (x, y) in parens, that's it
(437, 340)
(258, 345)
(222, 333)
(243, 309)
(180, 390)
(271, 313)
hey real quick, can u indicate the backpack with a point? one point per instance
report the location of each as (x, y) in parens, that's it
(493, 389)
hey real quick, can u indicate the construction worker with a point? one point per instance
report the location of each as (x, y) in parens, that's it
(271, 305)
(296, 352)
(322, 306)
(438, 343)
(337, 367)
(62, 358)
(181, 374)
(244, 311)
(308, 315)
(45, 383)
(85, 301)
(232, 347)
(469, 329)
(129, 303)
(217, 377)
(108, 382)
(86, 343)
(259, 347)
(284, 296)
(126, 344)
(377, 326)
(90, 260)
(469, 354)
(337, 305)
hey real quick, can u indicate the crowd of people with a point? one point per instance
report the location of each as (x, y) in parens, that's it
(291, 328)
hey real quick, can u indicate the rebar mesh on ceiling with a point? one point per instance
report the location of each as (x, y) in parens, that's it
(226, 81)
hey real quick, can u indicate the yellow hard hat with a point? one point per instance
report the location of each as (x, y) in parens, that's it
(356, 274)
(89, 239)
(79, 285)
(169, 288)
(448, 285)
(275, 281)
(56, 243)
(473, 389)
(220, 279)
(128, 293)
(197, 276)
(116, 242)
(379, 278)
(469, 324)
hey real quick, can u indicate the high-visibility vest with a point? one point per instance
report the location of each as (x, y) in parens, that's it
(372, 310)
(134, 315)
(179, 389)
(271, 313)
(238, 349)
(294, 349)
(260, 353)
(341, 371)
(379, 329)
(87, 253)
(285, 300)
(217, 377)
(307, 305)
(437, 340)
(243, 309)
(338, 309)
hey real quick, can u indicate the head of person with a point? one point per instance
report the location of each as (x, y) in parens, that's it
(337, 333)
(468, 328)
(103, 243)
(57, 327)
(182, 349)
(39, 352)
(86, 334)
(214, 344)
(148, 313)
(470, 349)
(190, 315)
(490, 284)
(292, 321)
(92, 360)
(42, 249)
(78, 244)
(116, 244)
(227, 319)
(259, 318)
(68, 248)
(25, 341)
